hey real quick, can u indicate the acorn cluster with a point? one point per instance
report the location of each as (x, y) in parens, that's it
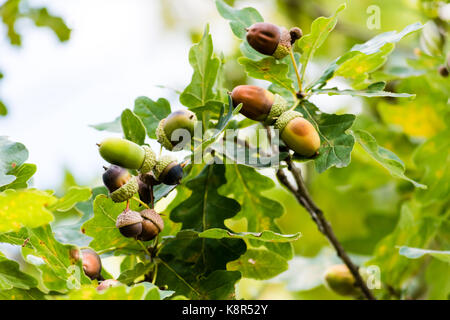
(125, 155)
(272, 109)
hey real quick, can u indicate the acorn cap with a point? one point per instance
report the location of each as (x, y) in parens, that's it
(126, 191)
(284, 45)
(149, 160)
(161, 135)
(153, 216)
(284, 119)
(128, 218)
(279, 106)
(162, 163)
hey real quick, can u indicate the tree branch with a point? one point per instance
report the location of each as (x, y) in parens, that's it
(304, 198)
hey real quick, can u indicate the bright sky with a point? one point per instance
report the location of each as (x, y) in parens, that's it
(117, 52)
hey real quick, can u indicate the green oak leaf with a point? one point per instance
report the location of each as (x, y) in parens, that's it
(320, 29)
(129, 276)
(416, 253)
(67, 227)
(24, 208)
(438, 280)
(12, 277)
(102, 226)
(259, 264)
(9, 12)
(42, 18)
(265, 236)
(196, 267)
(12, 155)
(141, 291)
(71, 198)
(60, 272)
(433, 159)
(151, 113)
(113, 126)
(239, 19)
(3, 109)
(22, 294)
(246, 185)
(336, 145)
(385, 157)
(370, 47)
(416, 227)
(23, 174)
(358, 67)
(206, 66)
(133, 127)
(269, 69)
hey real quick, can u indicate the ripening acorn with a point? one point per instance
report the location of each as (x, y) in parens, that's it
(127, 154)
(129, 223)
(143, 190)
(272, 40)
(120, 183)
(258, 104)
(168, 171)
(340, 280)
(298, 133)
(181, 119)
(108, 283)
(443, 71)
(92, 264)
(152, 224)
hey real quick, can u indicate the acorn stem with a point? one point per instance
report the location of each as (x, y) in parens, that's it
(152, 197)
(144, 247)
(291, 53)
(128, 205)
(155, 273)
(141, 202)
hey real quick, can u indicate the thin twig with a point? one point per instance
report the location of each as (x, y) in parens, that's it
(304, 198)
(294, 64)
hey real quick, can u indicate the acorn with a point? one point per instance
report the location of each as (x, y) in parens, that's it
(129, 223)
(152, 224)
(144, 191)
(168, 171)
(92, 264)
(339, 279)
(114, 177)
(259, 104)
(127, 154)
(272, 40)
(443, 71)
(106, 284)
(298, 133)
(181, 119)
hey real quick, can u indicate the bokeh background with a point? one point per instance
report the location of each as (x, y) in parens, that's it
(119, 50)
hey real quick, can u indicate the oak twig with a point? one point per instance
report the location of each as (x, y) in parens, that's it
(304, 198)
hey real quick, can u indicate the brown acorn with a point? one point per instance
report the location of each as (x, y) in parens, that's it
(92, 264)
(272, 40)
(129, 223)
(258, 104)
(152, 225)
(114, 177)
(108, 283)
(168, 170)
(443, 71)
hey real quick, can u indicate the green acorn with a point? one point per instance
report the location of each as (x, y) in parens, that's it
(259, 104)
(129, 223)
(127, 154)
(168, 171)
(339, 279)
(298, 133)
(152, 224)
(181, 119)
(271, 40)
